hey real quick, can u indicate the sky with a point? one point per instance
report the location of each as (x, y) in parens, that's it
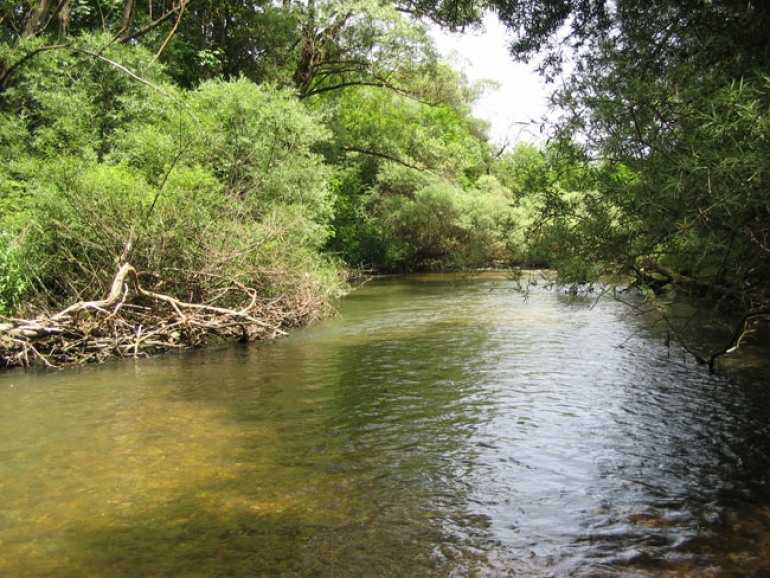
(515, 109)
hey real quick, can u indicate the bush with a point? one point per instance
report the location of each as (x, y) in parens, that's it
(187, 185)
(13, 281)
(424, 223)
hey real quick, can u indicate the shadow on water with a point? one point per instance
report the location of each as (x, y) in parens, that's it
(439, 427)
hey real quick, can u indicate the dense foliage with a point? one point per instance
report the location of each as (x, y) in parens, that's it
(274, 140)
(311, 136)
(671, 102)
(414, 191)
(214, 181)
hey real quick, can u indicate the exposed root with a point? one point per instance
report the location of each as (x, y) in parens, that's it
(132, 321)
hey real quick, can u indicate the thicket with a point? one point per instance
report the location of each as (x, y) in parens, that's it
(228, 197)
(202, 191)
(418, 189)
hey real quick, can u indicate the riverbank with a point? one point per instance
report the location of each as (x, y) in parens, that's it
(133, 321)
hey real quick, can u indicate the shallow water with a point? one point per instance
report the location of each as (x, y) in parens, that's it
(440, 426)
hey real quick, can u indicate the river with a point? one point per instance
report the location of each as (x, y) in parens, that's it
(441, 425)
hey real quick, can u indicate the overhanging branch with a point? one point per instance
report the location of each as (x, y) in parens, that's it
(386, 157)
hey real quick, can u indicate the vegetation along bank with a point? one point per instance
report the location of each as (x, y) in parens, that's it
(174, 171)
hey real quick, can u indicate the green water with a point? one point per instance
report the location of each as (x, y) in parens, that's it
(440, 426)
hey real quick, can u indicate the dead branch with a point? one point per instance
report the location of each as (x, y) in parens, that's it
(132, 321)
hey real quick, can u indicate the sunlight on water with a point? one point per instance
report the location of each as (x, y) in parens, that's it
(440, 426)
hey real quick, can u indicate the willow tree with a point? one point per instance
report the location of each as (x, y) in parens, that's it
(670, 101)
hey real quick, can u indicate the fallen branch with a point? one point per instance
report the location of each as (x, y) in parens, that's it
(132, 321)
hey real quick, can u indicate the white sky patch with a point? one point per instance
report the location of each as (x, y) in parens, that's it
(515, 110)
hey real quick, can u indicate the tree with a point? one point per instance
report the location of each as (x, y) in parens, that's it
(669, 100)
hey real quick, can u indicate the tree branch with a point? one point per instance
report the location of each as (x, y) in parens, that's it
(737, 336)
(385, 156)
(23, 60)
(182, 6)
(149, 27)
(373, 83)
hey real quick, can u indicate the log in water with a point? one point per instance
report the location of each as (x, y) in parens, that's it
(441, 425)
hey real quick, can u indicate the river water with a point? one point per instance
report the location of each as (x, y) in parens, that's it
(439, 426)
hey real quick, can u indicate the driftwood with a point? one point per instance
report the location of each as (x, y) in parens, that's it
(132, 321)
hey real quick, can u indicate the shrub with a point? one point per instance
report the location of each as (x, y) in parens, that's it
(188, 186)
(13, 280)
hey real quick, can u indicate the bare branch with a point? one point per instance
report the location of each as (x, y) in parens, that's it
(385, 156)
(172, 32)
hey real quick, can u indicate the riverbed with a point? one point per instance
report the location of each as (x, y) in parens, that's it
(440, 425)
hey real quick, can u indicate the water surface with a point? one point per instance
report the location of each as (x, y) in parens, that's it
(440, 426)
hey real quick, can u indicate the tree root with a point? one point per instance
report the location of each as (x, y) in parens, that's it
(132, 321)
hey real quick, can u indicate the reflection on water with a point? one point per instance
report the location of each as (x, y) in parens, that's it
(439, 427)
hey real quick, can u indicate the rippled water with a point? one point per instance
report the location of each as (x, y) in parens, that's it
(441, 426)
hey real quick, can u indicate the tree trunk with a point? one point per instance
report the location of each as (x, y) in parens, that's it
(128, 17)
(303, 75)
(37, 17)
